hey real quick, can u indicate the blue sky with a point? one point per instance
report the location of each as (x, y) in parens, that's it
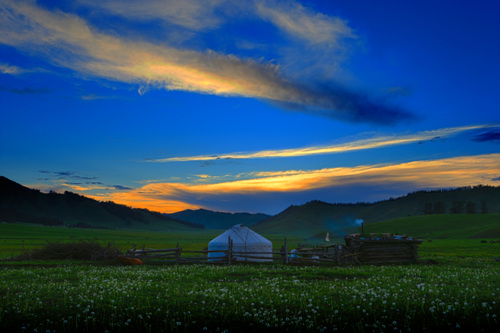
(250, 105)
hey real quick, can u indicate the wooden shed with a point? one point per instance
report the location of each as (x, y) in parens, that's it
(380, 249)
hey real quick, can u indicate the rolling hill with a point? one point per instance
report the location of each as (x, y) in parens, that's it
(317, 217)
(465, 205)
(454, 226)
(218, 220)
(21, 204)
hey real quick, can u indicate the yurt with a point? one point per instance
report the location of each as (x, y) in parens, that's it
(244, 240)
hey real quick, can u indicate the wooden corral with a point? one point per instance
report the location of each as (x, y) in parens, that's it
(382, 249)
(326, 254)
(358, 249)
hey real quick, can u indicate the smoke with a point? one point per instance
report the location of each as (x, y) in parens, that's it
(342, 225)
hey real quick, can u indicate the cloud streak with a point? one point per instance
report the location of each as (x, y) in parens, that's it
(190, 14)
(26, 90)
(372, 143)
(72, 181)
(450, 172)
(69, 41)
(488, 135)
(10, 69)
(300, 22)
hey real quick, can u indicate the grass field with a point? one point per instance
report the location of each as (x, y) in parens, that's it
(266, 298)
(17, 238)
(458, 292)
(445, 226)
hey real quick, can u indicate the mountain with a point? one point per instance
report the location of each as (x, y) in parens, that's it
(218, 220)
(317, 217)
(21, 204)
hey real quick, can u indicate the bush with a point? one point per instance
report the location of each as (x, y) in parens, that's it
(73, 251)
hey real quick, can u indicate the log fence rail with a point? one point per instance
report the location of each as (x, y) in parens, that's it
(333, 254)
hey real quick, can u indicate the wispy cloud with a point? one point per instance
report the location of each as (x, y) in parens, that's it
(66, 175)
(71, 42)
(10, 69)
(93, 97)
(450, 172)
(26, 90)
(300, 22)
(371, 143)
(191, 14)
(73, 181)
(488, 135)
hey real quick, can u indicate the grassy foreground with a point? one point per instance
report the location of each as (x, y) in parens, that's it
(459, 294)
(265, 298)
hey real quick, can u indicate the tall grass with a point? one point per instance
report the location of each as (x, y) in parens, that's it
(200, 298)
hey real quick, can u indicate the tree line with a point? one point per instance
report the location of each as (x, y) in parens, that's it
(457, 207)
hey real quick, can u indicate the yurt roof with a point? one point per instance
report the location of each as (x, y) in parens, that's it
(240, 234)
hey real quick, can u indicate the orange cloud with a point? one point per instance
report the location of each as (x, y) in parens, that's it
(61, 36)
(450, 172)
(69, 41)
(136, 199)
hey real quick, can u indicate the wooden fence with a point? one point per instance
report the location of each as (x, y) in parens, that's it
(331, 254)
(372, 251)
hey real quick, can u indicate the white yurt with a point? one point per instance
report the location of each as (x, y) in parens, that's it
(244, 240)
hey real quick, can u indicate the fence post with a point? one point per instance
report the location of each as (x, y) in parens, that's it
(337, 253)
(178, 255)
(286, 253)
(229, 250)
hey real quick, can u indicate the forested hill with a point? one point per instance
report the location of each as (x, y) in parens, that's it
(218, 220)
(317, 216)
(21, 204)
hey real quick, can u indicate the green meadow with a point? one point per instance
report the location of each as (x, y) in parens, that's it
(450, 297)
(442, 226)
(442, 235)
(454, 288)
(16, 238)
(448, 236)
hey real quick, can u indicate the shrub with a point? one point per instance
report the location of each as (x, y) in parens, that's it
(82, 250)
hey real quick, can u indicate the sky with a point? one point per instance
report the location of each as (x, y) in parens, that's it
(248, 106)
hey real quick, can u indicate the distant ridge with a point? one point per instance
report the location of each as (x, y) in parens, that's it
(21, 204)
(317, 217)
(218, 220)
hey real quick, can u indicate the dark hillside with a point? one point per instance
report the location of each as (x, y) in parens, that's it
(316, 216)
(218, 220)
(21, 204)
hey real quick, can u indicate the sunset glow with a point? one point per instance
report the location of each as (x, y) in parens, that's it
(452, 172)
(248, 106)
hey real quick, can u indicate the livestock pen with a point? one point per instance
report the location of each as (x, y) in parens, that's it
(376, 249)
(357, 250)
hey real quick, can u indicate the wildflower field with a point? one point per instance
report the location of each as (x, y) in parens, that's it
(455, 288)
(459, 297)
